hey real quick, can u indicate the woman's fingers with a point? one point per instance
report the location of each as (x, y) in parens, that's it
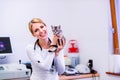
(61, 42)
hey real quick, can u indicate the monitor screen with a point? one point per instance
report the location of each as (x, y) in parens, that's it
(5, 45)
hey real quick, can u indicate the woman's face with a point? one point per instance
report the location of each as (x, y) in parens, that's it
(39, 30)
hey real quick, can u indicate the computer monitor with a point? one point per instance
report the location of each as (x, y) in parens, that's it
(5, 46)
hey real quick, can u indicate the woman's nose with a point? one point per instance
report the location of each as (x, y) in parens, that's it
(41, 30)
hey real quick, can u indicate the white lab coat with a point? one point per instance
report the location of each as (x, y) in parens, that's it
(41, 61)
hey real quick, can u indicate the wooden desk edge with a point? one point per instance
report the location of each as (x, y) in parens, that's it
(112, 73)
(63, 77)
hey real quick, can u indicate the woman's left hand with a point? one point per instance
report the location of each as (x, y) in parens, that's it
(60, 45)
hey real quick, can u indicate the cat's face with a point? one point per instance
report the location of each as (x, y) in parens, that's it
(56, 30)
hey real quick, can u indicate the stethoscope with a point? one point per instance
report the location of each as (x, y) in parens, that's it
(37, 43)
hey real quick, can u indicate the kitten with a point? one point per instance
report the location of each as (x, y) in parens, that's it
(56, 31)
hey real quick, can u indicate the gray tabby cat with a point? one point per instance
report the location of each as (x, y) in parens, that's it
(56, 31)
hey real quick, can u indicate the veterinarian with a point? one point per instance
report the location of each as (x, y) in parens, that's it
(45, 65)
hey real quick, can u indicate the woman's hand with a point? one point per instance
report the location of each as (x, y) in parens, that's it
(60, 45)
(54, 40)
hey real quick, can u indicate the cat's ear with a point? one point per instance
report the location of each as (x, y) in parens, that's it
(59, 26)
(52, 26)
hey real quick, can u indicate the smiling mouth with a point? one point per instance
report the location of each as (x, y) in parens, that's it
(42, 35)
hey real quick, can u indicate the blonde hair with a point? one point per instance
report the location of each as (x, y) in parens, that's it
(35, 20)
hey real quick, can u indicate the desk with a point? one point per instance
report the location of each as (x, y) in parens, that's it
(80, 76)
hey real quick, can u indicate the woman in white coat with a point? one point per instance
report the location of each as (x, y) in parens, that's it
(45, 65)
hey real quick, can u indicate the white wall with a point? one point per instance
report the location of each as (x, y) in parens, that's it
(117, 2)
(83, 20)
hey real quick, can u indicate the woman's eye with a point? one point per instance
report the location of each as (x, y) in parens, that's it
(36, 30)
(41, 26)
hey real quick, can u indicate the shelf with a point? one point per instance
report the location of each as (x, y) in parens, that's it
(112, 73)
